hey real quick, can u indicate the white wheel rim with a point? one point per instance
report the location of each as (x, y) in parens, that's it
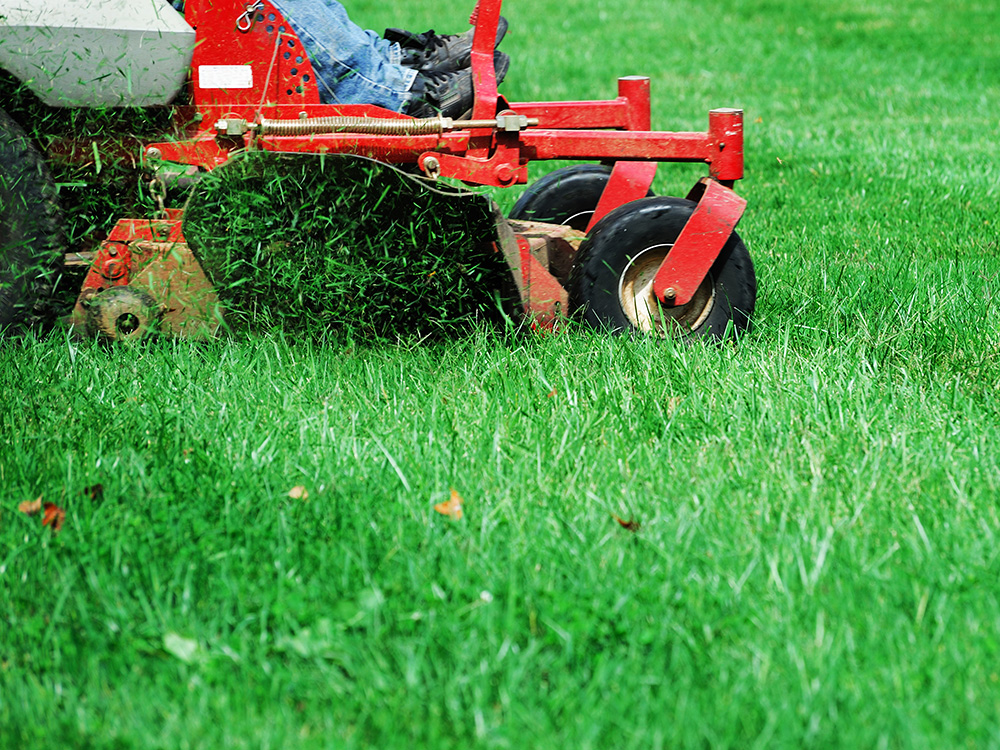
(643, 309)
(569, 219)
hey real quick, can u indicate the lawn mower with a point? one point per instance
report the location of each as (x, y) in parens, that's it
(588, 240)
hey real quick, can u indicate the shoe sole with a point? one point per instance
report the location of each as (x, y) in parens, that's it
(501, 64)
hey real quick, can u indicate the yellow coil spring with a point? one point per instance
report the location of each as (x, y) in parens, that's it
(361, 125)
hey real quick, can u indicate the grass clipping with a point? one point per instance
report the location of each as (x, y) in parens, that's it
(315, 244)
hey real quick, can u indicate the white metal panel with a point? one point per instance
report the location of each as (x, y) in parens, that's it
(96, 53)
(225, 76)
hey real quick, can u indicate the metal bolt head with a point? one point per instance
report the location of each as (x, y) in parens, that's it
(232, 127)
(669, 294)
(153, 153)
(511, 122)
(432, 167)
(113, 269)
(505, 173)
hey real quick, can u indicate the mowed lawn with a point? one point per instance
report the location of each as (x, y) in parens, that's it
(789, 542)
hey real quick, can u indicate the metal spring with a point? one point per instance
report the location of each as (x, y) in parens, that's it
(363, 125)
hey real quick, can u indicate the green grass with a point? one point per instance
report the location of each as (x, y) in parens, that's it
(817, 563)
(304, 243)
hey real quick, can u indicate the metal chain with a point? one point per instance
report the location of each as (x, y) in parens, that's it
(158, 190)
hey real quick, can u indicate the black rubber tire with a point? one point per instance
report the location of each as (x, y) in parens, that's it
(31, 240)
(565, 196)
(610, 261)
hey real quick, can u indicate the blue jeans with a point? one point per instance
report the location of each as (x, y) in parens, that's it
(353, 66)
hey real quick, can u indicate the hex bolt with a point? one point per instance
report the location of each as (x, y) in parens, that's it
(669, 294)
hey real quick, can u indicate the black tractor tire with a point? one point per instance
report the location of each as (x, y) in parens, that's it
(565, 196)
(611, 282)
(31, 239)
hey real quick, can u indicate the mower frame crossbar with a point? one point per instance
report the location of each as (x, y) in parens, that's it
(720, 147)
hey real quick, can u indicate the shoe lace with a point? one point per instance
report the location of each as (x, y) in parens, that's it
(436, 40)
(438, 77)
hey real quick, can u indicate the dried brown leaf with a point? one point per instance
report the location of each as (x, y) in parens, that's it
(31, 507)
(452, 508)
(95, 492)
(54, 517)
(632, 526)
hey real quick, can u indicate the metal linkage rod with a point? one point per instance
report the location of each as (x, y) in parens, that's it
(370, 125)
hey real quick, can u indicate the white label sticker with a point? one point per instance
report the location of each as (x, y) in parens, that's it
(225, 77)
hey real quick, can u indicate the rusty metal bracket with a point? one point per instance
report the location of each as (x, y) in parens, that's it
(544, 299)
(152, 258)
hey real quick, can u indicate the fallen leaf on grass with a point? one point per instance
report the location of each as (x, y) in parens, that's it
(452, 508)
(31, 507)
(54, 516)
(632, 526)
(298, 493)
(95, 492)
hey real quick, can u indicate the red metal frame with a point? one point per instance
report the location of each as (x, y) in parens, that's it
(284, 87)
(112, 263)
(248, 46)
(699, 243)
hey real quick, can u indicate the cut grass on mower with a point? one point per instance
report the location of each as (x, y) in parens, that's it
(816, 558)
(288, 246)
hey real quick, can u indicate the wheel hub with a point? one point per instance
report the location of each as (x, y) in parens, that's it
(122, 313)
(645, 311)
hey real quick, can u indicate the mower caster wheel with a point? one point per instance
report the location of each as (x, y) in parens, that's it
(565, 196)
(31, 242)
(611, 284)
(122, 313)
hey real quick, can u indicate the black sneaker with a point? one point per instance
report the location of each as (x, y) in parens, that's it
(451, 93)
(430, 51)
(501, 64)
